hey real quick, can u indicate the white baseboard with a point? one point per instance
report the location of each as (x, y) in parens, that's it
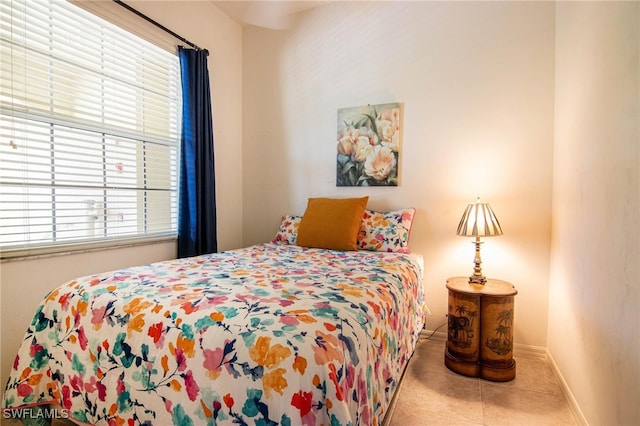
(529, 350)
(573, 404)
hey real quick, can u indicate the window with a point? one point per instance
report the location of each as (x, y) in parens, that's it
(89, 131)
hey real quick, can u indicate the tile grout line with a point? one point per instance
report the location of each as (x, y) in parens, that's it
(483, 403)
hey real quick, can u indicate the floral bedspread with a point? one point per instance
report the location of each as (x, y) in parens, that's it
(265, 335)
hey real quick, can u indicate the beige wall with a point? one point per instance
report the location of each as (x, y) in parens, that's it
(24, 283)
(476, 82)
(481, 84)
(594, 295)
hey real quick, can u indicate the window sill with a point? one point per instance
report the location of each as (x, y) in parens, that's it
(65, 250)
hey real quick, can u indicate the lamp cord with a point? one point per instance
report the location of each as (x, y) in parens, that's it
(434, 331)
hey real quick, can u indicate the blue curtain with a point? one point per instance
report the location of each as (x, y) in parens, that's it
(197, 196)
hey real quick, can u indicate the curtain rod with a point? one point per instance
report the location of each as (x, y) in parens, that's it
(159, 25)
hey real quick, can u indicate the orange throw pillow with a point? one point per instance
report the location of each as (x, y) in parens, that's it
(332, 223)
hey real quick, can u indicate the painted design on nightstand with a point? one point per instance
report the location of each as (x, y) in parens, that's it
(501, 344)
(461, 326)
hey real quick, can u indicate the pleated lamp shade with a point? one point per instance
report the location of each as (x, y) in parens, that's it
(479, 220)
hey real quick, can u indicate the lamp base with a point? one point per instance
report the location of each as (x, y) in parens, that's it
(473, 279)
(477, 277)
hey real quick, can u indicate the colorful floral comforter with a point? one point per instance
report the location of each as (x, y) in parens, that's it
(265, 335)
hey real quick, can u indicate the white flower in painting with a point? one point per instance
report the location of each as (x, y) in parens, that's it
(365, 133)
(388, 125)
(356, 142)
(367, 139)
(380, 162)
(346, 140)
(362, 150)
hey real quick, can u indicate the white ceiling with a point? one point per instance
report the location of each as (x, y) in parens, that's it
(274, 14)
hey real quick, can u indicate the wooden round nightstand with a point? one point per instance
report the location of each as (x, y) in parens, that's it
(480, 332)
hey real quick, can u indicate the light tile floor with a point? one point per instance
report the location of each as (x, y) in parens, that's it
(431, 394)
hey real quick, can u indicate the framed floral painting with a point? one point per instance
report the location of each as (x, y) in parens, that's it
(368, 145)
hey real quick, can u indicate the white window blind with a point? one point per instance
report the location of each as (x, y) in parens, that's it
(89, 131)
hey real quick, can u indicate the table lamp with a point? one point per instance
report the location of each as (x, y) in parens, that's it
(478, 221)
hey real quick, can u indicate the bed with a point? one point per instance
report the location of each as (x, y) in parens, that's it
(269, 334)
